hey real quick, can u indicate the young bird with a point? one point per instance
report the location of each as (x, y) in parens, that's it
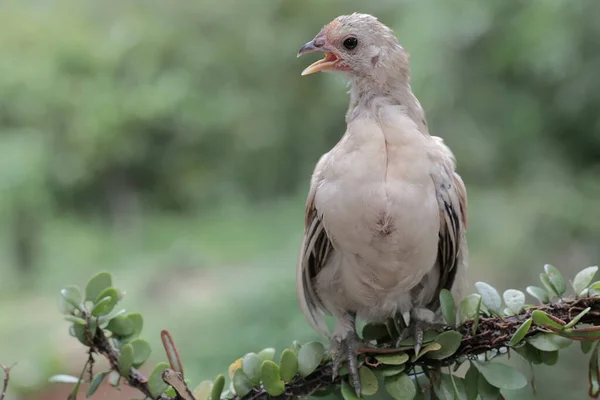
(386, 213)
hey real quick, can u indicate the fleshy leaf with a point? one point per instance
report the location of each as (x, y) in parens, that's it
(583, 279)
(203, 390)
(63, 378)
(309, 358)
(96, 383)
(267, 354)
(485, 390)
(519, 335)
(70, 299)
(241, 383)
(556, 278)
(448, 307)
(542, 319)
(427, 349)
(586, 346)
(489, 297)
(548, 342)
(392, 359)
(549, 357)
(390, 370)
(502, 376)
(368, 381)
(121, 326)
(373, 331)
(348, 392)
(471, 379)
(97, 285)
(217, 387)
(514, 300)
(552, 291)
(538, 293)
(469, 306)
(141, 351)
(252, 366)
(400, 387)
(450, 342)
(529, 353)
(271, 378)
(156, 385)
(288, 365)
(577, 318)
(126, 360)
(103, 306)
(594, 373)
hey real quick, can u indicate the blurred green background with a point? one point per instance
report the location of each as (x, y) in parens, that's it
(171, 143)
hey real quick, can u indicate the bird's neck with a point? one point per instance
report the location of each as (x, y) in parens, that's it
(368, 94)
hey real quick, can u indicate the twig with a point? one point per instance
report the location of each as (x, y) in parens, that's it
(6, 379)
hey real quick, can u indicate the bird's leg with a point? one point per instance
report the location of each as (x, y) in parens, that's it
(344, 348)
(421, 319)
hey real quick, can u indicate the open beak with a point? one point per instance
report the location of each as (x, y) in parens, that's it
(327, 63)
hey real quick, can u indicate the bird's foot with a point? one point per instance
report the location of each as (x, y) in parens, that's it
(345, 350)
(421, 320)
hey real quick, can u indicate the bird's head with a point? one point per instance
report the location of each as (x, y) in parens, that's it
(361, 46)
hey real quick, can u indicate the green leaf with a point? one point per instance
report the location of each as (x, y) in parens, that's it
(392, 359)
(70, 299)
(141, 351)
(538, 293)
(450, 342)
(502, 376)
(217, 387)
(469, 307)
(428, 337)
(75, 320)
(594, 373)
(252, 366)
(348, 392)
(121, 326)
(427, 349)
(577, 318)
(203, 390)
(126, 360)
(80, 334)
(114, 379)
(295, 346)
(96, 383)
(63, 378)
(309, 358)
(241, 383)
(103, 306)
(448, 307)
(529, 353)
(556, 278)
(400, 387)
(390, 370)
(471, 378)
(486, 391)
(288, 365)
(368, 381)
(271, 379)
(374, 331)
(548, 342)
(97, 285)
(75, 390)
(137, 321)
(514, 299)
(542, 319)
(103, 320)
(267, 354)
(489, 297)
(552, 291)
(583, 279)
(520, 334)
(156, 385)
(549, 357)
(586, 346)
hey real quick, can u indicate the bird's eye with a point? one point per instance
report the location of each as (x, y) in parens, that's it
(350, 43)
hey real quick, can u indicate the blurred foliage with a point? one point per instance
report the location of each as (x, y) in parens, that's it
(182, 106)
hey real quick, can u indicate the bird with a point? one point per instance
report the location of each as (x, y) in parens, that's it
(386, 213)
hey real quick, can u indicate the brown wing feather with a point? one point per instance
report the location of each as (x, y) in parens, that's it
(315, 250)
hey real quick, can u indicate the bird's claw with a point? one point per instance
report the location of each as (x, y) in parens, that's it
(346, 350)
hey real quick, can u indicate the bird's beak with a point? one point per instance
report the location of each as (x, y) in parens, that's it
(327, 63)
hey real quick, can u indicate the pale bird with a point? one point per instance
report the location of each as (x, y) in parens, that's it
(386, 214)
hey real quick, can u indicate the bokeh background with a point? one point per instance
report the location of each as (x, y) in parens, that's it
(171, 143)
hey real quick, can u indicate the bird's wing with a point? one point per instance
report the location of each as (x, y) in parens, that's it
(452, 200)
(315, 251)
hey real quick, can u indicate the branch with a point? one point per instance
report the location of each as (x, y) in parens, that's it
(492, 334)
(6, 379)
